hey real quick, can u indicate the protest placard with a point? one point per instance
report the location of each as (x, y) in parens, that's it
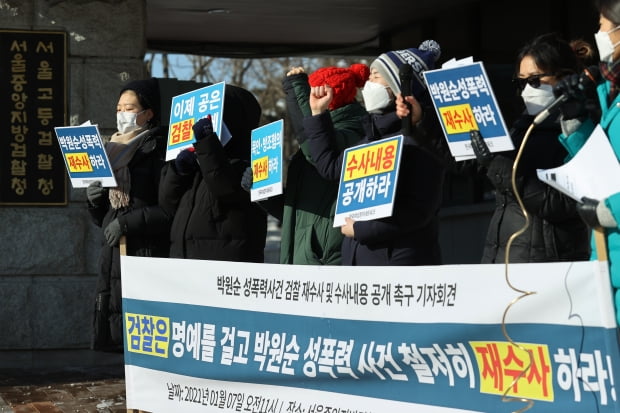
(266, 158)
(187, 109)
(84, 155)
(464, 101)
(368, 180)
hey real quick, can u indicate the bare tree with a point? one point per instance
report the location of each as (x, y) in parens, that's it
(263, 77)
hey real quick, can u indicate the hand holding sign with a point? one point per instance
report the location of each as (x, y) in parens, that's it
(203, 128)
(95, 194)
(481, 149)
(185, 162)
(347, 229)
(246, 179)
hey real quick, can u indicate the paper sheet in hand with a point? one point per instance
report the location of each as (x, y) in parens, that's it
(594, 172)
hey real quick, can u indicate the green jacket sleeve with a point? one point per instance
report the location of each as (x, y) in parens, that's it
(575, 140)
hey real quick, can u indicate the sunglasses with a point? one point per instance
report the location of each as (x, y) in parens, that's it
(533, 81)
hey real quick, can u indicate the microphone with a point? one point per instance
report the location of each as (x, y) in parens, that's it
(587, 79)
(405, 73)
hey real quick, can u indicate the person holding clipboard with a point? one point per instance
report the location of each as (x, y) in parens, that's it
(602, 215)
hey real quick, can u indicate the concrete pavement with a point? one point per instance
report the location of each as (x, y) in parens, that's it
(76, 380)
(62, 381)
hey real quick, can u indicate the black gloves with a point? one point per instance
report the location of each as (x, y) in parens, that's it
(482, 151)
(185, 162)
(113, 233)
(580, 93)
(246, 179)
(596, 213)
(96, 194)
(203, 128)
(574, 106)
(587, 211)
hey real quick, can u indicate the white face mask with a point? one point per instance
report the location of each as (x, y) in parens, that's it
(127, 121)
(376, 96)
(605, 46)
(536, 99)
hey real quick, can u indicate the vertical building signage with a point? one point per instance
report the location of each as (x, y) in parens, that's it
(33, 84)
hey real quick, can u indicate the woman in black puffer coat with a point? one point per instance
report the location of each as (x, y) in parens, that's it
(136, 153)
(213, 217)
(555, 232)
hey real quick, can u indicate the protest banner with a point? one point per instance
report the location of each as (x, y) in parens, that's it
(85, 157)
(266, 158)
(187, 109)
(464, 101)
(214, 336)
(368, 180)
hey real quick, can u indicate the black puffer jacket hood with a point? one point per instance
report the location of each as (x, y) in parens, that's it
(241, 114)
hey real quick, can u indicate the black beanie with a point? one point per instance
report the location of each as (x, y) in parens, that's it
(148, 94)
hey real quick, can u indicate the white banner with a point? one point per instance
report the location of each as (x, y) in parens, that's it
(209, 336)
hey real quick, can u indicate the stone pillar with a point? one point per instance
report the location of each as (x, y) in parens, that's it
(48, 255)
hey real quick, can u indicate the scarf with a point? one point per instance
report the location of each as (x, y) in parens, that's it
(120, 149)
(611, 72)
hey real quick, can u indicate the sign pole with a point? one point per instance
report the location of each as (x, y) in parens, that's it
(600, 244)
(122, 245)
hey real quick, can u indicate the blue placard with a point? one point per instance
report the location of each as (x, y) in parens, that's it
(266, 159)
(84, 154)
(188, 109)
(368, 180)
(464, 101)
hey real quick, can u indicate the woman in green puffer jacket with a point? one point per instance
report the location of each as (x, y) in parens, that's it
(306, 209)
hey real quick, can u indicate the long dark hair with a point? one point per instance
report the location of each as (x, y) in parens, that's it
(552, 55)
(610, 9)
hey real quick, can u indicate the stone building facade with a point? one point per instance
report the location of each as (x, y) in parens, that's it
(48, 254)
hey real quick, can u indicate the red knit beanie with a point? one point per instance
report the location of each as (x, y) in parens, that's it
(344, 82)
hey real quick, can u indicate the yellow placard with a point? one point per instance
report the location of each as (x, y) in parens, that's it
(458, 119)
(147, 334)
(501, 363)
(370, 160)
(260, 169)
(79, 162)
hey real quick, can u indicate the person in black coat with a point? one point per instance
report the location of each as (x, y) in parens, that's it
(136, 153)
(410, 236)
(212, 215)
(555, 231)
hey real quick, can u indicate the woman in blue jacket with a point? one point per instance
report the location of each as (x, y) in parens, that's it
(577, 127)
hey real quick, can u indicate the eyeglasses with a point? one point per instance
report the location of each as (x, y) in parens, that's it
(533, 81)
